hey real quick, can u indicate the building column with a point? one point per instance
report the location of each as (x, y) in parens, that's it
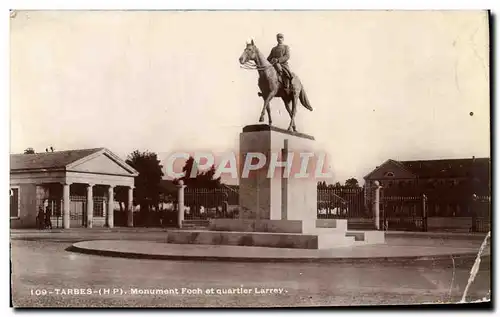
(90, 205)
(66, 187)
(180, 201)
(130, 207)
(111, 207)
(376, 206)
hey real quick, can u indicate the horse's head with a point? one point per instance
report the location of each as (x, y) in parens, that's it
(249, 54)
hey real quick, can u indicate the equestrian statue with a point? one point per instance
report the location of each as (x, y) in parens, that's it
(275, 78)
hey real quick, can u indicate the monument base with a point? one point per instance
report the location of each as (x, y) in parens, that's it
(278, 226)
(261, 239)
(284, 187)
(296, 234)
(278, 206)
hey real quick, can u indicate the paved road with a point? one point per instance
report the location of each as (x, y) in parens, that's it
(43, 265)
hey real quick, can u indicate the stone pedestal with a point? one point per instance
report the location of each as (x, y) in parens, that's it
(279, 196)
(279, 208)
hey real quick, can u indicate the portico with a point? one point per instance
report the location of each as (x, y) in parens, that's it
(79, 186)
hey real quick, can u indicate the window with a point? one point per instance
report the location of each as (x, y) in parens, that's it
(15, 202)
(389, 174)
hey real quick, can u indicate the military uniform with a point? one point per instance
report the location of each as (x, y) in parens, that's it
(281, 53)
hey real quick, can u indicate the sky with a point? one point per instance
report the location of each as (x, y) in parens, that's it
(383, 84)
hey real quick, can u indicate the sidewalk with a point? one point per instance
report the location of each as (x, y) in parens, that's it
(402, 234)
(368, 253)
(438, 235)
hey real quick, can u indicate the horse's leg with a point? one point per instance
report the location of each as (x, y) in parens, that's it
(296, 88)
(295, 98)
(267, 100)
(268, 109)
(261, 118)
(286, 102)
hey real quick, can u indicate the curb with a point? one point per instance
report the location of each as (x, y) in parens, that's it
(414, 234)
(458, 259)
(437, 235)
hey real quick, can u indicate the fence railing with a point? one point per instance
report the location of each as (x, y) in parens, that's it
(209, 203)
(418, 213)
(405, 213)
(342, 203)
(77, 209)
(481, 213)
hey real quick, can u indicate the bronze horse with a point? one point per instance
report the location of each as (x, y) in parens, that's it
(270, 85)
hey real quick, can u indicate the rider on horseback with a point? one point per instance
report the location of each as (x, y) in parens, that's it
(279, 58)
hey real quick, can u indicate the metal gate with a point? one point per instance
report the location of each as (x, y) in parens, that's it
(403, 213)
(342, 203)
(77, 210)
(207, 203)
(481, 213)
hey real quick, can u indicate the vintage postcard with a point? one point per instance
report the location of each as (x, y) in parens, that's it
(249, 158)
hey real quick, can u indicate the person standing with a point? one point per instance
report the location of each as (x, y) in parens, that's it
(48, 215)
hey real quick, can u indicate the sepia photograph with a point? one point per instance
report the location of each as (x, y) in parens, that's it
(250, 158)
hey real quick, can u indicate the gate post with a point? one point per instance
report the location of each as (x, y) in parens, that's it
(66, 205)
(180, 202)
(130, 207)
(90, 205)
(473, 210)
(424, 213)
(376, 206)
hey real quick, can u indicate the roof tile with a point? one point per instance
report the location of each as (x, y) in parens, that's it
(48, 160)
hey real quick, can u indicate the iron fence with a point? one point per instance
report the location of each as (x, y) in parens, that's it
(209, 203)
(481, 211)
(405, 213)
(342, 203)
(77, 210)
(413, 213)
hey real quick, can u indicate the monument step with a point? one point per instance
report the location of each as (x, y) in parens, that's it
(193, 227)
(279, 226)
(196, 222)
(367, 237)
(260, 239)
(257, 225)
(340, 224)
(358, 236)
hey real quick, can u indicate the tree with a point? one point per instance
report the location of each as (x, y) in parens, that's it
(29, 150)
(202, 179)
(352, 182)
(322, 185)
(147, 183)
(121, 196)
(337, 185)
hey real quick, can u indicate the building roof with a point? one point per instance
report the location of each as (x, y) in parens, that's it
(48, 160)
(446, 168)
(61, 160)
(450, 168)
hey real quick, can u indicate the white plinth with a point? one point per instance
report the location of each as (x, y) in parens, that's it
(278, 197)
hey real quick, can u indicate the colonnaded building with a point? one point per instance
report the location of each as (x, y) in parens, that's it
(77, 186)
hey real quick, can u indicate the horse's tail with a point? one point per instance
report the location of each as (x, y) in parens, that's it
(304, 100)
